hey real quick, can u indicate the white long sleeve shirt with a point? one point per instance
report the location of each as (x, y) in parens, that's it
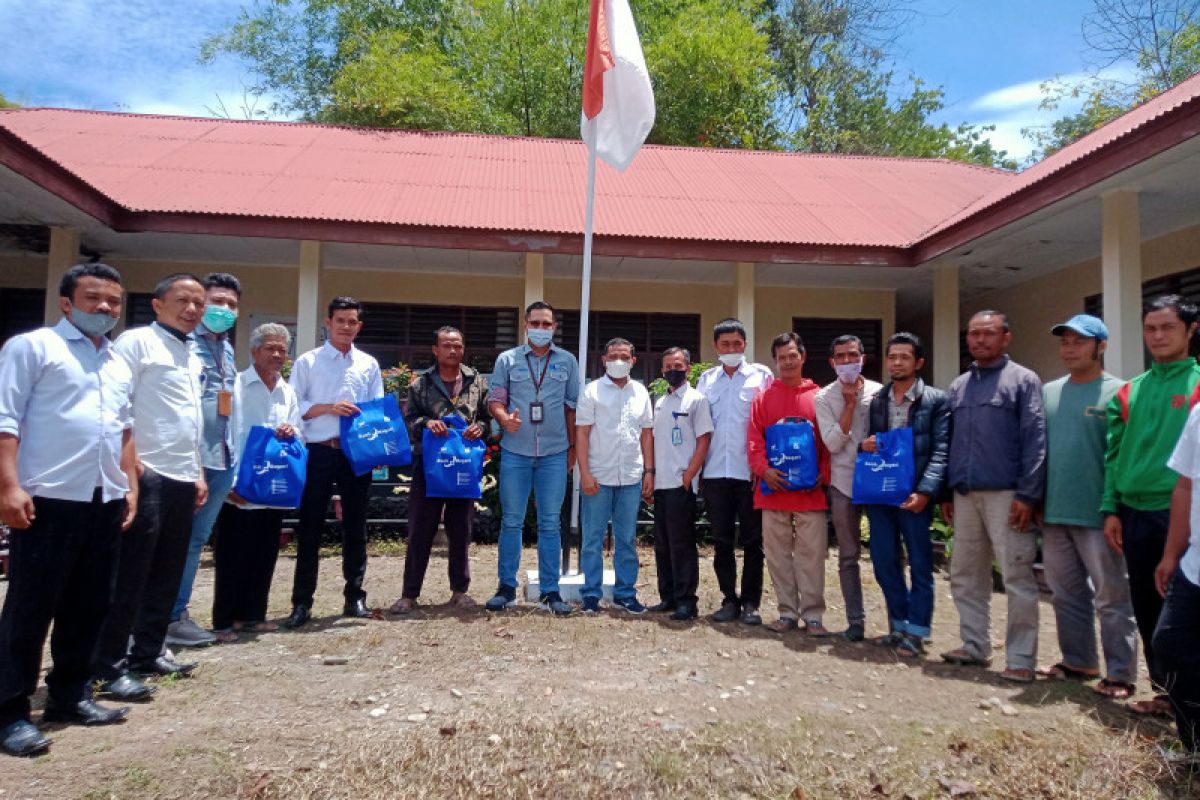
(325, 375)
(255, 404)
(729, 399)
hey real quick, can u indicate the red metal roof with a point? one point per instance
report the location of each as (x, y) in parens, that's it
(324, 173)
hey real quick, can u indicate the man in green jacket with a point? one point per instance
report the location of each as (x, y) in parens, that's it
(1144, 422)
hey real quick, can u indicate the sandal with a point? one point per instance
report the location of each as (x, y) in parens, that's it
(910, 646)
(225, 635)
(264, 627)
(462, 600)
(1065, 672)
(961, 658)
(1018, 675)
(1114, 690)
(404, 605)
(816, 630)
(782, 625)
(888, 640)
(1157, 706)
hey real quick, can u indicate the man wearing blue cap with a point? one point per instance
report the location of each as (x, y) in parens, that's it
(1074, 550)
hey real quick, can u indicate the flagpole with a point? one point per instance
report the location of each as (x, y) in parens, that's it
(584, 306)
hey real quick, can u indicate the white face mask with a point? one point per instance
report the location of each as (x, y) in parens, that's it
(732, 359)
(618, 369)
(848, 373)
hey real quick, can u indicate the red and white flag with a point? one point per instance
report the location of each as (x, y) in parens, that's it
(618, 101)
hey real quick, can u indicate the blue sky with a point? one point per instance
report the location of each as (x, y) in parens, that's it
(140, 55)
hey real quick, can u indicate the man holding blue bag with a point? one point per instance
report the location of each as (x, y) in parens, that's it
(447, 392)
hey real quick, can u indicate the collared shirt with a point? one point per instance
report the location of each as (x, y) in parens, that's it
(218, 373)
(166, 400)
(618, 415)
(1186, 461)
(686, 409)
(68, 404)
(514, 385)
(326, 375)
(729, 399)
(898, 412)
(255, 404)
(843, 447)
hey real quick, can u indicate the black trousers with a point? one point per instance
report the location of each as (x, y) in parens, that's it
(675, 555)
(1144, 535)
(1176, 641)
(730, 501)
(60, 569)
(328, 467)
(424, 514)
(153, 554)
(245, 546)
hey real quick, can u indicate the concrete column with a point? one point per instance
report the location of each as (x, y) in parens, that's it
(309, 314)
(64, 254)
(744, 308)
(535, 280)
(1121, 269)
(945, 324)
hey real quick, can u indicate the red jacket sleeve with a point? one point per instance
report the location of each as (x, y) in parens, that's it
(756, 443)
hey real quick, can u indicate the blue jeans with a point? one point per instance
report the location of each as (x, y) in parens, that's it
(618, 505)
(220, 482)
(910, 609)
(546, 477)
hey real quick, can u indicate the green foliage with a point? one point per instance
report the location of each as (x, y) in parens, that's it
(658, 387)
(6, 103)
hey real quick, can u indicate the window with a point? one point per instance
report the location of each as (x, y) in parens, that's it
(21, 310)
(394, 332)
(139, 312)
(819, 333)
(650, 334)
(1186, 284)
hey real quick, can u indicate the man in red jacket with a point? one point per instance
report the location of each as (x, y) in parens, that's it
(795, 536)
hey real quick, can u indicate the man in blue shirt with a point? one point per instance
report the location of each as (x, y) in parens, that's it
(534, 389)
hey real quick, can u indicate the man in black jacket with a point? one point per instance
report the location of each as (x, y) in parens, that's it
(906, 402)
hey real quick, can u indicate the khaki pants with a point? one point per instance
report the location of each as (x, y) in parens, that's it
(795, 543)
(981, 532)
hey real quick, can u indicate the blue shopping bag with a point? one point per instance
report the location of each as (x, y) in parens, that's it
(376, 437)
(792, 449)
(272, 470)
(453, 464)
(886, 477)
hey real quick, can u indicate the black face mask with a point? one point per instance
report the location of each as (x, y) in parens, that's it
(675, 377)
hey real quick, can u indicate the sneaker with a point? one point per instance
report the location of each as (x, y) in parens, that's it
(662, 607)
(506, 597)
(728, 612)
(855, 632)
(591, 605)
(750, 616)
(631, 605)
(185, 633)
(553, 602)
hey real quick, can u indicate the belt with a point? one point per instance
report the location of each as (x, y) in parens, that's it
(335, 443)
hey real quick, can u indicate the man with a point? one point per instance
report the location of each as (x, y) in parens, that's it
(795, 535)
(210, 341)
(329, 381)
(446, 388)
(728, 491)
(247, 541)
(1087, 578)
(901, 533)
(842, 409)
(68, 487)
(1177, 578)
(534, 389)
(614, 438)
(167, 433)
(682, 432)
(997, 473)
(1144, 423)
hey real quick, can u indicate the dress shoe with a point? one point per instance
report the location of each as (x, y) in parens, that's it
(165, 666)
(127, 688)
(85, 712)
(22, 738)
(728, 612)
(298, 617)
(662, 607)
(684, 612)
(357, 608)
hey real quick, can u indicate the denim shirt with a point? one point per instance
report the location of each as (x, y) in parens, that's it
(216, 448)
(513, 384)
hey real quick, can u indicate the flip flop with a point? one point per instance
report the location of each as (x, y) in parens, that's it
(1114, 690)
(962, 658)
(1157, 706)
(1018, 675)
(1067, 672)
(404, 605)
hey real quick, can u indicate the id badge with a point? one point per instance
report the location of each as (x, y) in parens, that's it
(225, 403)
(676, 436)
(537, 412)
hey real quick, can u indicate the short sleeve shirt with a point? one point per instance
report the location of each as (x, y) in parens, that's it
(617, 416)
(685, 410)
(520, 379)
(1186, 461)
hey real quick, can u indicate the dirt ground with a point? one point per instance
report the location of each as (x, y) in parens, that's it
(519, 704)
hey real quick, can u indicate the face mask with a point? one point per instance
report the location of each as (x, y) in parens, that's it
(675, 377)
(219, 319)
(540, 337)
(848, 373)
(91, 323)
(732, 359)
(618, 369)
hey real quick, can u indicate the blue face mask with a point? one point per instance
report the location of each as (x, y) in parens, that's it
(90, 322)
(540, 337)
(219, 319)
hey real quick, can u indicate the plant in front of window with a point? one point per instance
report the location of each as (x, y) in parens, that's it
(396, 380)
(658, 387)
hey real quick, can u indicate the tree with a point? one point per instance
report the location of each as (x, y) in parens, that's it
(6, 103)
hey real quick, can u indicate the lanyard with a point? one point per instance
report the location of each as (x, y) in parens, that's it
(537, 384)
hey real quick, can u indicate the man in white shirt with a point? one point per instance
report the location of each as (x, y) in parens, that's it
(247, 540)
(843, 408)
(682, 431)
(329, 382)
(727, 486)
(614, 441)
(166, 432)
(67, 489)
